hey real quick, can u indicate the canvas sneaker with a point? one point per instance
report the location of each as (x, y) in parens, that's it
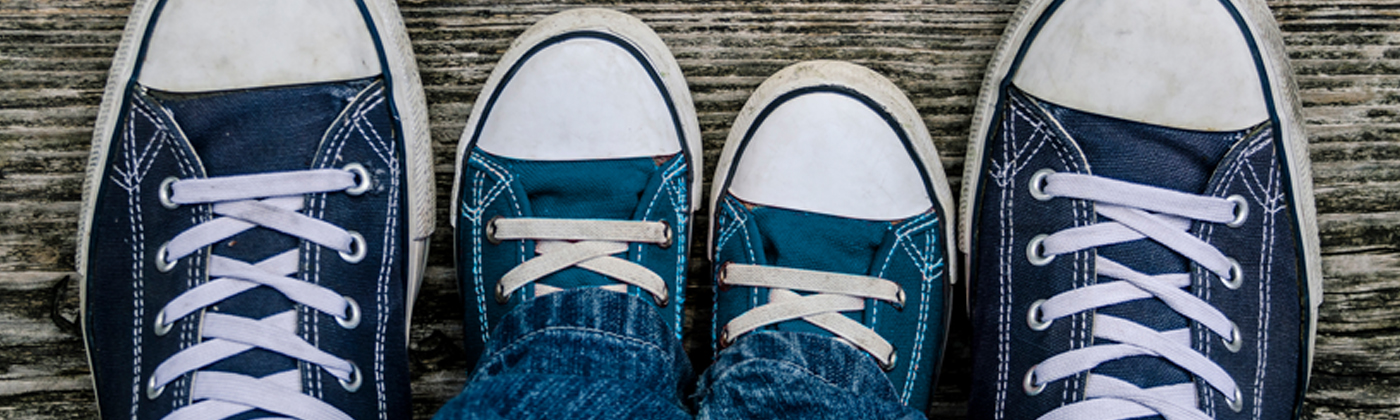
(1138, 216)
(256, 212)
(831, 218)
(578, 168)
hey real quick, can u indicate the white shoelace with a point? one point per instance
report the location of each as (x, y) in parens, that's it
(218, 395)
(583, 243)
(833, 293)
(1136, 212)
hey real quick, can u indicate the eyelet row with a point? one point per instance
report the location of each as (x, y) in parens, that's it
(357, 252)
(1035, 254)
(355, 255)
(350, 385)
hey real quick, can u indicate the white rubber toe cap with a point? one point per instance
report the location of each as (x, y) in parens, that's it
(582, 98)
(1175, 63)
(829, 153)
(211, 45)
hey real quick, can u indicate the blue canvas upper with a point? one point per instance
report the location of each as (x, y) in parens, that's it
(638, 189)
(213, 135)
(1031, 134)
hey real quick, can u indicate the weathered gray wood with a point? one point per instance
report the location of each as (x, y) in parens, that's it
(54, 56)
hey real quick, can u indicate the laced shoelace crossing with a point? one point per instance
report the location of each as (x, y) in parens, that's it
(1137, 212)
(271, 201)
(583, 243)
(832, 293)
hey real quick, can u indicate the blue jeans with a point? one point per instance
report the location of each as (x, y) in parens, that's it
(590, 353)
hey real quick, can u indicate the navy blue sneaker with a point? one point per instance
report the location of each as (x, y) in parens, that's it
(1138, 216)
(579, 167)
(256, 212)
(831, 218)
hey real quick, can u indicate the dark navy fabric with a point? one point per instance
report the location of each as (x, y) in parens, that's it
(1181, 160)
(282, 127)
(640, 189)
(1269, 307)
(1004, 347)
(1141, 153)
(1032, 135)
(594, 354)
(123, 289)
(908, 252)
(243, 132)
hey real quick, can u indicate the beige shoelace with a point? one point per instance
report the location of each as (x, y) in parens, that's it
(587, 244)
(834, 293)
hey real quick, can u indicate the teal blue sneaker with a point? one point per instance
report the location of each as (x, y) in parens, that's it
(578, 168)
(831, 220)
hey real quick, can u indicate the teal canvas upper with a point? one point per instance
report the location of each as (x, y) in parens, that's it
(908, 252)
(637, 189)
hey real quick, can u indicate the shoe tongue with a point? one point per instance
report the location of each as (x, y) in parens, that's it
(260, 130)
(595, 189)
(256, 131)
(1181, 160)
(818, 242)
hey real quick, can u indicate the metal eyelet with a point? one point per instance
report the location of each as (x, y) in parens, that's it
(1241, 210)
(364, 182)
(893, 359)
(664, 299)
(1035, 251)
(352, 319)
(667, 243)
(160, 328)
(355, 379)
(722, 275)
(1028, 384)
(724, 339)
(1237, 403)
(1235, 342)
(153, 391)
(166, 191)
(501, 297)
(162, 264)
(1037, 186)
(491, 231)
(1236, 276)
(357, 248)
(1033, 315)
(899, 298)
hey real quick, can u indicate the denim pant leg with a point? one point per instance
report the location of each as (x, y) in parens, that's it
(768, 375)
(577, 354)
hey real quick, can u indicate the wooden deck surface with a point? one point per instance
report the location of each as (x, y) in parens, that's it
(54, 56)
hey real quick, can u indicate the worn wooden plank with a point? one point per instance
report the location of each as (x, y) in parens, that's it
(54, 56)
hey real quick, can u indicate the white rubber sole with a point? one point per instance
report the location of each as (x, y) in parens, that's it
(1260, 22)
(621, 25)
(860, 79)
(408, 100)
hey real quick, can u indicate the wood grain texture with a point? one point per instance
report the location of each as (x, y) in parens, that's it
(54, 56)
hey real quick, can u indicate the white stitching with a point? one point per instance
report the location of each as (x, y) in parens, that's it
(1271, 206)
(390, 246)
(503, 180)
(137, 262)
(929, 272)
